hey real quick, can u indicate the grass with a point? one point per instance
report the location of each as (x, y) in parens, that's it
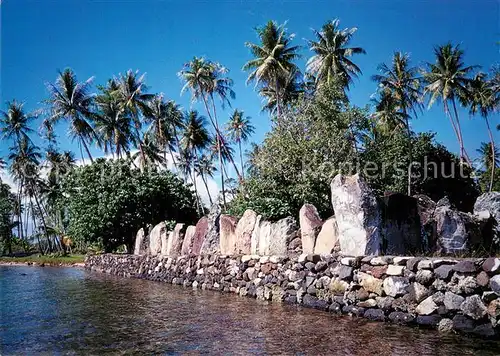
(47, 259)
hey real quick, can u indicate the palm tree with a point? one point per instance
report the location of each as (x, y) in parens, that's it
(112, 123)
(483, 100)
(134, 100)
(273, 59)
(290, 88)
(388, 115)
(195, 138)
(332, 55)
(15, 123)
(239, 130)
(71, 100)
(204, 167)
(151, 154)
(252, 156)
(401, 82)
(489, 156)
(447, 79)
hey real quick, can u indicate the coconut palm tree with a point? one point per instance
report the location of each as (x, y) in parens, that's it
(204, 167)
(15, 122)
(195, 138)
(290, 88)
(388, 115)
(402, 83)
(489, 156)
(252, 155)
(483, 100)
(447, 79)
(112, 123)
(239, 129)
(133, 100)
(151, 154)
(71, 100)
(332, 56)
(273, 60)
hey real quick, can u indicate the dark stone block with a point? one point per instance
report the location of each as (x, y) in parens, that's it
(375, 314)
(444, 272)
(463, 323)
(466, 267)
(335, 308)
(413, 263)
(428, 320)
(401, 318)
(313, 302)
(291, 299)
(353, 310)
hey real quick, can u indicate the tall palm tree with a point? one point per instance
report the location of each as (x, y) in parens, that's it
(448, 79)
(290, 88)
(388, 115)
(332, 55)
(112, 123)
(273, 59)
(15, 122)
(151, 154)
(252, 156)
(401, 81)
(71, 100)
(195, 138)
(133, 97)
(239, 130)
(483, 100)
(204, 167)
(489, 156)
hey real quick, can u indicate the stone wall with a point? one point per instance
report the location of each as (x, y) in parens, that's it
(444, 293)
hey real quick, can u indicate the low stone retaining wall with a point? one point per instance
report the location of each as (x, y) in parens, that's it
(448, 294)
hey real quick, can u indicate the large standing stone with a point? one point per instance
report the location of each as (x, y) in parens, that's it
(175, 239)
(426, 209)
(244, 232)
(199, 235)
(358, 216)
(401, 224)
(165, 238)
(310, 226)
(490, 202)
(155, 238)
(228, 234)
(328, 238)
(211, 243)
(187, 243)
(282, 232)
(264, 237)
(254, 243)
(138, 242)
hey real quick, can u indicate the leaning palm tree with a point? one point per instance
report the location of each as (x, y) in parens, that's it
(112, 123)
(239, 130)
(447, 79)
(273, 59)
(483, 100)
(204, 167)
(71, 100)
(133, 100)
(15, 122)
(402, 83)
(332, 56)
(195, 138)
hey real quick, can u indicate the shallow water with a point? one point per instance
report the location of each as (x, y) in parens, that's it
(71, 311)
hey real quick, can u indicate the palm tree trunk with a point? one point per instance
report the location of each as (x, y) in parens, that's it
(278, 104)
(19, 209)
(493, 158)
(459, 130)
(206, 187)
(241, 160)
(453, 125)
(198, 203)
(410, 153)
(43, 221)
(87, 150)
(34, 227)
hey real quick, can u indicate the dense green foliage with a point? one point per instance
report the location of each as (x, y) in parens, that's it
(7, 206)
(108, 202)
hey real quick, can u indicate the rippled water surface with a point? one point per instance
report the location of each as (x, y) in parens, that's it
(71, 311)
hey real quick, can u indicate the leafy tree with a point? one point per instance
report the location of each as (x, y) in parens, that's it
(489, 177)
(109, 201)
(72, 101)
(204, 167)
(401, 82)
(239, 130)
(332, 56)
(448, 79)
(7, 222)
(290, 88)
(273, 60)
(15, 122)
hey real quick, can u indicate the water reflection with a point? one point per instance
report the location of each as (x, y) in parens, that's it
(70, 311)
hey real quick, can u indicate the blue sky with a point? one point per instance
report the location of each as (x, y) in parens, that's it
(104, 38)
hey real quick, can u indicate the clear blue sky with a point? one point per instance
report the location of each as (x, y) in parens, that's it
(104, 38)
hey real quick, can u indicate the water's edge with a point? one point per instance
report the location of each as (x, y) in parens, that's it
(447, 294)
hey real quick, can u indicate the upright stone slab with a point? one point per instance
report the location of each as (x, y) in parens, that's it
(199, 235)
(187, 243)
(254, 244)
(328, 238)
(282, 232)
(138, 241)
(155, 238)
(400, 225)
(211, 243)
(227, 234)
(490, 202)
(264, 238)
(426, 209)
(175, 240)
(244, 231)
(358, 216)
(452, 231)
(165, 238)
(310, 226)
